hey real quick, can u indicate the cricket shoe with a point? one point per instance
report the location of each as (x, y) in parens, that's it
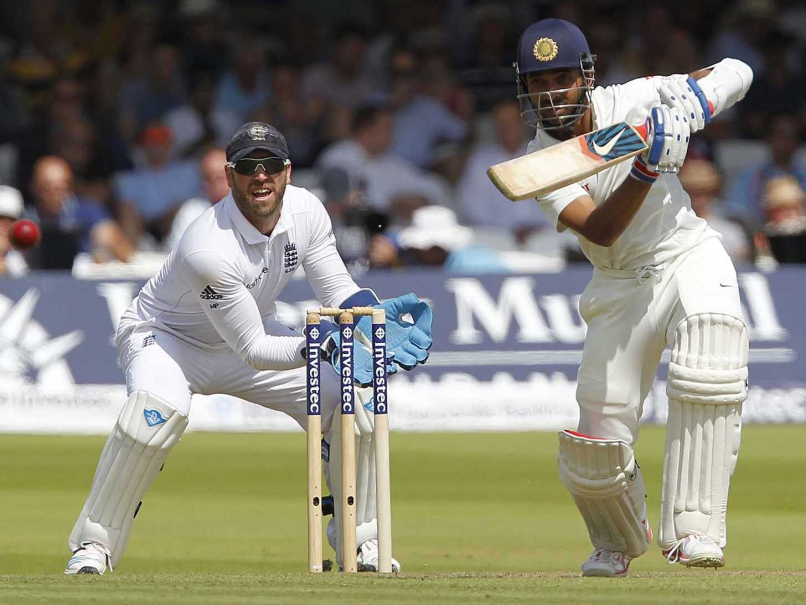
(696, 550)
(90, 558)
(604, 563)
(367, 559)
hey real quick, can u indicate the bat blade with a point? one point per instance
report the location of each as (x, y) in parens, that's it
(545, 170)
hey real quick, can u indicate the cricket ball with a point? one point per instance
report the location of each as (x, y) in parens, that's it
(24, 234)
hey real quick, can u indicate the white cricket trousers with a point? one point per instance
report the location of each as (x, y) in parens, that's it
(631, 318)
(156, 361)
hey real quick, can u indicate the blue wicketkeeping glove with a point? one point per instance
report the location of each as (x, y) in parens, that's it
(362, 358)
(408, 342)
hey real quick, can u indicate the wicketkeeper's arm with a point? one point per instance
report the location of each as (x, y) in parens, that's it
(235, 314)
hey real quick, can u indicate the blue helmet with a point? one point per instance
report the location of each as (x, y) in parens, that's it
(546, 45)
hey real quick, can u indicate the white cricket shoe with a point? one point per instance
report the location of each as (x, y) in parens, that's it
(90, 558)
(605, 563)
(696, 550)
(367, 558)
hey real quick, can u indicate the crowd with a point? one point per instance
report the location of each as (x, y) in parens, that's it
(113, 114)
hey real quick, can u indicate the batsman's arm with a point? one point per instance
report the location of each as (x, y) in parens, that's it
(602, 225)
(235, 315)
(724, 84)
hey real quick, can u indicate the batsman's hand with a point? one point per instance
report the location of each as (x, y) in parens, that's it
(685, 94)
(668, 136)
(362, 358)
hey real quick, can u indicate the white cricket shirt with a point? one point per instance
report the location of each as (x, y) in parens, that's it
(220, 283)
(665, 225)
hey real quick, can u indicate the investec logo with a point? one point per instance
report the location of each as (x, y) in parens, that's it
(554, 318)
(379, 354)
(314, 383)
(347, 371)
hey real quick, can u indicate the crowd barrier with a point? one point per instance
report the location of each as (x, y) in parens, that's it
(505, 353)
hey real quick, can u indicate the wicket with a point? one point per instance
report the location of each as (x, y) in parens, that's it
(380, 438)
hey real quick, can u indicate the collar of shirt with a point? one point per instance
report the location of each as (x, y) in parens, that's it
(247, 229)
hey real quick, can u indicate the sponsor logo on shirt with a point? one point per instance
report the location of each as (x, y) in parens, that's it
(256, 281)
(209, 294)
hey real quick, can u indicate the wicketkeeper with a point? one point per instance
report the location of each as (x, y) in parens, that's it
(206, 324)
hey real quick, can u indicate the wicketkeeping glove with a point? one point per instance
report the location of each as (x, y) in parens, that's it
(362, 358)
(408, 342)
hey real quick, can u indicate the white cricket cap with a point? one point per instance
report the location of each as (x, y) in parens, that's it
(11, 203)
(435, 226)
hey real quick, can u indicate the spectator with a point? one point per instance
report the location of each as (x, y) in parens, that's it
(144, 99)
(201, 124)
(244, 88)
(703, 183)
(421, 122)
(354, 223)
(488, 69)
(481, 204)
(435, 239)
(149, 196)
(745, 196)
(298, 118)
(203, 49)
(747, 28)
(785, 212)
(12, 263)
(367, 156)
(780, 90)
(93, 147)
(70, 225)
(341, 80)
(214, 181)
(43, 55)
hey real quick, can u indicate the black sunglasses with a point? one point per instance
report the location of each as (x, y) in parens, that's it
(249, 166)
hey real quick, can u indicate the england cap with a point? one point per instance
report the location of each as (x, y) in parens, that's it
(254, 136)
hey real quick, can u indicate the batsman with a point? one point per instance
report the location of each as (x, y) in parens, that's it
(661, 279)
(206, 324)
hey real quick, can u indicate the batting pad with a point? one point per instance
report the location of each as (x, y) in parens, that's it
(365, 506)
(608, 489)
(146, 430)
(707, 385)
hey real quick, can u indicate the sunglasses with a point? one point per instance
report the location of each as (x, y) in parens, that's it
(249, 166)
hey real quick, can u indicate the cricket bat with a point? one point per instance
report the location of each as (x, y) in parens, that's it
(543, 171)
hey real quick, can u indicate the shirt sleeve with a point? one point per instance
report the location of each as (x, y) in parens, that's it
(235, 315)
(324, 267)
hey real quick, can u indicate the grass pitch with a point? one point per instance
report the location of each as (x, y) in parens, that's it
(477, 518)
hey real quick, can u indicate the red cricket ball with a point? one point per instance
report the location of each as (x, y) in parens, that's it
(24, 234)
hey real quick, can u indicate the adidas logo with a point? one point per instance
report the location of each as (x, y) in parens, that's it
(209, 294)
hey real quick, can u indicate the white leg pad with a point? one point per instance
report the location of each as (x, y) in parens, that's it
(707, 385)
(608, 489)
(146, 430)
(365, 513)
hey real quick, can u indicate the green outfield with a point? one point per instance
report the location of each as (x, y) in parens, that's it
(478, 518)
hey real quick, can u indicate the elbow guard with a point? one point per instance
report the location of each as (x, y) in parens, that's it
(728, 82)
